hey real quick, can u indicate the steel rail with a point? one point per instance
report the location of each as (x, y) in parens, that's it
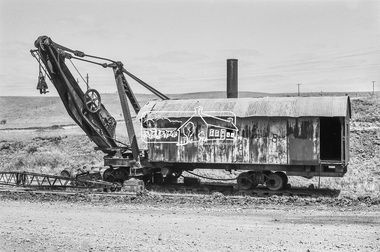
(186, 192)
(35, 181)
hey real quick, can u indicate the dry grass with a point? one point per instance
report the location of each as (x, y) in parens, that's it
(48, 154)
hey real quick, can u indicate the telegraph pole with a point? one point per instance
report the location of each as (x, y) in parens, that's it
(298, 89)
(373, 87)
(87, 82)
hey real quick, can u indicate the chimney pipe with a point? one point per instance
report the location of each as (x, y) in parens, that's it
(232, 78)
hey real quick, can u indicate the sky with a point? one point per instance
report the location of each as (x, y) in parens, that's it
(181, 46)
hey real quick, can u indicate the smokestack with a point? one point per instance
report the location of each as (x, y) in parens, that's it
(232, 78)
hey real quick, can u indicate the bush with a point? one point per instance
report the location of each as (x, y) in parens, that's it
(32, 149)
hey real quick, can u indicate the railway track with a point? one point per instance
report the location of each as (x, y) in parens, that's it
(177, 197)
(232, 190)
(185, 197)
(25, 182)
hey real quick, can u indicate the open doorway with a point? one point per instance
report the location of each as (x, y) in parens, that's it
(331, 138)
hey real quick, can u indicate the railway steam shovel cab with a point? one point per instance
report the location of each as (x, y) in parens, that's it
(268, 139)
(271, 138)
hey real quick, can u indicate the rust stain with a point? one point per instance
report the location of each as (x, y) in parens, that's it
(202, 136)
(303, 140)
(260, 141)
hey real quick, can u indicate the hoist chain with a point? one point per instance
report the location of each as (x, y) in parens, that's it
(34, 52)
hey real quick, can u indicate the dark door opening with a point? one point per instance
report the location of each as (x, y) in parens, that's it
(331, 138)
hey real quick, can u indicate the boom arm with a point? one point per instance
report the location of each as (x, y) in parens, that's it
(100, 126)
(86, 110)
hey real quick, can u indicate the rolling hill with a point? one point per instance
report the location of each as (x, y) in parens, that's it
(30, 112)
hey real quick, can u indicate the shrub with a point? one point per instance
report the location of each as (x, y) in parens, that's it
(32, 149)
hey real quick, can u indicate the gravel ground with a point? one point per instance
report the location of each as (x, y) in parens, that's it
(30, 222)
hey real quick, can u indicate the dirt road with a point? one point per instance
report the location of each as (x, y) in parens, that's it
(65, 226)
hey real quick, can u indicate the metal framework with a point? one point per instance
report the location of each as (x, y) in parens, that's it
(39, 180)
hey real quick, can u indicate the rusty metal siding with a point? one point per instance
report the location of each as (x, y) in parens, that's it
(258, 134)
(258, 141)
(303, 139)
(211, 131)
(277, 147)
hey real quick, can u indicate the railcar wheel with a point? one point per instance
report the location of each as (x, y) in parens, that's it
(285, 178)
(158, 178)
(244, 182)
(108, 175)
(275, 182)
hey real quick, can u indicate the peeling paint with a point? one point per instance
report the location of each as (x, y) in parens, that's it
(221, 137)
(258, 141)
(303, 140)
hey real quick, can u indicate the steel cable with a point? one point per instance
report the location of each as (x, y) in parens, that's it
(208, 177)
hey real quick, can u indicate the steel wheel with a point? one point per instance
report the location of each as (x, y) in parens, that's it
(275, 181)
(93, 102)
(108, 175)
(285, 178)
(244, 182)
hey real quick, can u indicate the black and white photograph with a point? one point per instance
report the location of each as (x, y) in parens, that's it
(189, 125)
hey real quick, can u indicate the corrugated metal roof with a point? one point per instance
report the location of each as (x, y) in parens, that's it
(337, 106)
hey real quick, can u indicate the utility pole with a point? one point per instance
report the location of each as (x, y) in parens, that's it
(373, 87)
(298, 89)
(87, 81)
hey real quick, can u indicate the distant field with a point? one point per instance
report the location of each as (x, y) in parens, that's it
(28, 112)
